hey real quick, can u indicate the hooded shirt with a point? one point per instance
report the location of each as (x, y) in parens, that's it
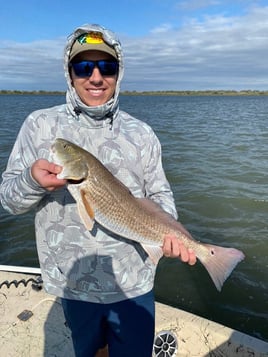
(96, 266)
(102, 112)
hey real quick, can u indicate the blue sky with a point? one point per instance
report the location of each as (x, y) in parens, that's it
(168, 44)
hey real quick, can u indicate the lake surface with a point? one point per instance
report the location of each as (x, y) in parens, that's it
(215, 154)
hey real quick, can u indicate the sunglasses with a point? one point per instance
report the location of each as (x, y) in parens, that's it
(85, 68)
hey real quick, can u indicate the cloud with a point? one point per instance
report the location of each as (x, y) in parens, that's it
(34, 66)
(191, 5)
(161, 29)
(215, 52)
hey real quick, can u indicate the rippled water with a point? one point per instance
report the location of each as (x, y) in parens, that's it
(215, 153)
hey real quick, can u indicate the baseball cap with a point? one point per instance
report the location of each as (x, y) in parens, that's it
(91, 41)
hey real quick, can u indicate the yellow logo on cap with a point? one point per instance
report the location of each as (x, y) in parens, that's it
(92, 37)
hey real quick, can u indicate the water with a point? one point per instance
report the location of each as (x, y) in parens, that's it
(215, 154)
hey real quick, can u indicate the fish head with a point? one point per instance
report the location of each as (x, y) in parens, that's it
(72, 159)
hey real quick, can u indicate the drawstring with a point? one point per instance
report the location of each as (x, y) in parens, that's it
(109, 116)
(77, 111)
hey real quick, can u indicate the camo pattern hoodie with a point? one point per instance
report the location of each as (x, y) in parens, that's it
(95, 266)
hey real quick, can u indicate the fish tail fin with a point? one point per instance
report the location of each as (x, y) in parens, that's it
(220, 263)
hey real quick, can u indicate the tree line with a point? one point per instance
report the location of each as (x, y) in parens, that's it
(165, 92)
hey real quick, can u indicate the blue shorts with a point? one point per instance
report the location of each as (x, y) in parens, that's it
(126, 326)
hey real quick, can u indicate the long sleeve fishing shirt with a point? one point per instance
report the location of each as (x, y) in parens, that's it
(96, 265)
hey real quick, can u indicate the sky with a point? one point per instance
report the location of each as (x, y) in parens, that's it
(167, 44)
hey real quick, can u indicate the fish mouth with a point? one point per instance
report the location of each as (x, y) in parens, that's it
(75, 181)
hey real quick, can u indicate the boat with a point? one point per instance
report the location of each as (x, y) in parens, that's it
(32, 324)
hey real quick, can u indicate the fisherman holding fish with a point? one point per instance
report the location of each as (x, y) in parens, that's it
(87, 255)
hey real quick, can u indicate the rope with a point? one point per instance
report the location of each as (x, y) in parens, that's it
(36, 283)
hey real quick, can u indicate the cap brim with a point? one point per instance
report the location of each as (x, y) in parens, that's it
(79, 48)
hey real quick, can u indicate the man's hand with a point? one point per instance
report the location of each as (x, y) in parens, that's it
(45, 173)
(174, 248)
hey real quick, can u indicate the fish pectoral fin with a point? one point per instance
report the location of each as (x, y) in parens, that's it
(155, 253)
(86, 212)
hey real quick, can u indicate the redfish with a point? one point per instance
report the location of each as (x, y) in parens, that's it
(102, 197)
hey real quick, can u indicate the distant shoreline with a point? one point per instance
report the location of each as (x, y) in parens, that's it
(153, 93)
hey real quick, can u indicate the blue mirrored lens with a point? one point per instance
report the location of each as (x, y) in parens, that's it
(85, 68)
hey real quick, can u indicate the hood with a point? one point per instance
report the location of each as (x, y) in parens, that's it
(96, 115)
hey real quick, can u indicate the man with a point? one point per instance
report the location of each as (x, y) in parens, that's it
(105, 281)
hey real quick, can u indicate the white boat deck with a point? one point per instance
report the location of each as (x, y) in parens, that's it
(40, 330)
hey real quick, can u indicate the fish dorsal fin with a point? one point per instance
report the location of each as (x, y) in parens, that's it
(85, 210)
(155, 253)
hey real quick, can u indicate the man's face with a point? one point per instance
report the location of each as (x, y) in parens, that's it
(95, 89)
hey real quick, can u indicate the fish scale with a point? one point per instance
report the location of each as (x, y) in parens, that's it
(121, 217)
